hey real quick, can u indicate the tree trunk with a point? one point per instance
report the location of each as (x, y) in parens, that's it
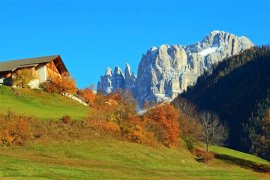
(206, 153)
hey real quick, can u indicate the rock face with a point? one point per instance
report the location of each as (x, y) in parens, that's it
(105, 84)
(111, 82)
(166, 71)
(130, 80)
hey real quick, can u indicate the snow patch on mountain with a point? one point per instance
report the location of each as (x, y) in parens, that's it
(207, 51)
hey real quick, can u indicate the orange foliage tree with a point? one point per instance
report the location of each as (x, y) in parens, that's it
(88, 95)
(116, 114)
(165, 123)
(65, 84)
(131, 125)
(126, 108)
(102, 114)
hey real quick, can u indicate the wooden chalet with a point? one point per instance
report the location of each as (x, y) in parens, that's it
(44, 68)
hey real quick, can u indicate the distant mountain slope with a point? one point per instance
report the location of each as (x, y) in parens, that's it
(235, 90)
(168, 70)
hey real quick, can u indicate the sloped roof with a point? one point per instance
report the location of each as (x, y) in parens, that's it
(14, 64)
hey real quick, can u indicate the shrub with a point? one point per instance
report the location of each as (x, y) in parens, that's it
(50, 87)
(14, 129)
(88, 95)
(203, 156)
(111, 127)
(22, 77)
(65, 84)
(137, 134)
(66, 119)
(108, 127)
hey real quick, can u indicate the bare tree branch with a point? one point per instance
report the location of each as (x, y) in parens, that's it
(214, 132)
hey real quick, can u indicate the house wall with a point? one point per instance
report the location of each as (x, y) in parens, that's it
(52, 71)
(41, 73)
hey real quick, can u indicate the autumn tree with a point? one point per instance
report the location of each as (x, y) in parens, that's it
(88, 95)
(126, 109)
(166, 117)
(213, 132)
(104, 107)
(127, 105)
(117, 113)
(65, 84)
(22, 77)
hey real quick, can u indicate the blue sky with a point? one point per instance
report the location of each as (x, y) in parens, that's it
(92, 35)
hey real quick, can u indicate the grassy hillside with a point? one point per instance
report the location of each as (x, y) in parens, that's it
(39, 104)
(238, 154)
(87, 153)
(112, 159)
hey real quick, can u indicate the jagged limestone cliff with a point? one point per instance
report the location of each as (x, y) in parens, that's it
(168, 70)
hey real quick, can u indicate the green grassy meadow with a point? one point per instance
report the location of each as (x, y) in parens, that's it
(101, 156)
(112, 159)
(39, 104)
(237, 154)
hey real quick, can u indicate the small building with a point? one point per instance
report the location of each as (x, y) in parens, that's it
(44, 68)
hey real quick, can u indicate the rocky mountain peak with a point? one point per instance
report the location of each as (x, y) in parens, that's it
(111, 82)
(127, 71)
(108, 71)
(118, 71)
(168, 70)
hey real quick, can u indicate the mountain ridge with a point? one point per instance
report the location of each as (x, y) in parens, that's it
(167, 70)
